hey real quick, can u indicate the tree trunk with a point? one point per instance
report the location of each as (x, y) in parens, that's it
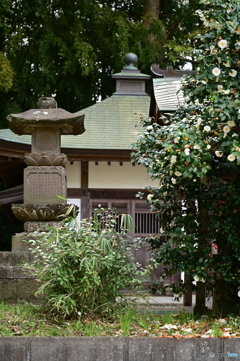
(200, 307)
(187, 298)
(152, 8)
(225, 298)
(151, 11)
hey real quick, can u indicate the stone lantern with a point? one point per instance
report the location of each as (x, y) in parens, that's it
(45, 186)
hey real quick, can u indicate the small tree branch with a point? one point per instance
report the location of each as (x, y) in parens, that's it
(172, 29)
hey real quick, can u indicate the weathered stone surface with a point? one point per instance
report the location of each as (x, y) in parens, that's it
(8, 289)
(43, 185)
(114, 349)
(68, 123)
(198, 349)
(46, 140)
(15, 258)
(15, 349)
(157, 349)
(44, 159)
(14, 272)
(78, 348)
(231, 349)
(47, 212)
(6, 272)
(46, 103)
(21, 273)
(18, 241)
(26, 288)
(140, 350)
(31, 226)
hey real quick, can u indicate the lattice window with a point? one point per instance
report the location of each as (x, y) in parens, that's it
(147, 223)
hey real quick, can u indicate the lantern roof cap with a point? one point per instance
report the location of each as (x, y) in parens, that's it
(47, 116)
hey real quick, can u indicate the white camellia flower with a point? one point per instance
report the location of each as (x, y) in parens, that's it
(213, 50)
(222, 44)
(238, 293)
(149, 127)
(149, 197)
(197, 279)
(216, 71)
(233, 73)
(207, 128)
(231, 157)
(226, 129)
(173, 159)
(173, 180)
(196, 146)
(219, 153)
(237, 44)
(187, 151)
(231, 123)
(178, 174)
(176, 140)
(221, 90)
(208, 146)
(227, 64)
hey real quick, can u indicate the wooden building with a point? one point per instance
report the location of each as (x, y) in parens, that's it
(99, 169)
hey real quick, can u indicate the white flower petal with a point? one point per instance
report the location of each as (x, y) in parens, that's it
(231, 157)
(219, 153)
(222, 43)
(226, 129)
(233, 73)
(207, 128)
(149, 197)
(231, 123)
(216, 71)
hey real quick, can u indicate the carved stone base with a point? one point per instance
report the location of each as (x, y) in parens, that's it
(45, 159)
(44, 212)
(40, 226)
(43, 185)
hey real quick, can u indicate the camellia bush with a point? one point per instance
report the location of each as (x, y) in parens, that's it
(82, 270)
(196, 157)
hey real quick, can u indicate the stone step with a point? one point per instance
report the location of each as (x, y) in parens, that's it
(15, 281)
(15, 258)
(14, 272)
(19, 241)
(18, 289)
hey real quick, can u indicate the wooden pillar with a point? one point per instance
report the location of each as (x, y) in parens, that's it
(200, 308)
(84, 190)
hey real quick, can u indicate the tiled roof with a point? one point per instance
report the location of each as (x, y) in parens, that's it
(109, 124)
(167, 94)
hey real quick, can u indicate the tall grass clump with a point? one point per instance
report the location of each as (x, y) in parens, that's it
(82, 269)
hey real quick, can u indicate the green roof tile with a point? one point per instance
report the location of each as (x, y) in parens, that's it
(109, 124)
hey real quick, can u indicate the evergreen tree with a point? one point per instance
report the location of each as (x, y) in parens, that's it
(71, 48)
(196, 157)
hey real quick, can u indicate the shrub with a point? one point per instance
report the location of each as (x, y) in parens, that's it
(82, 269)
